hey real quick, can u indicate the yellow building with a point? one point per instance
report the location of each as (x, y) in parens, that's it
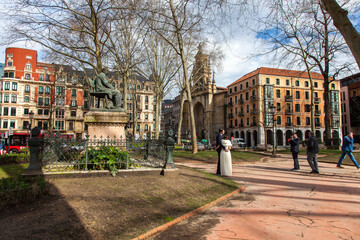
(250, 97)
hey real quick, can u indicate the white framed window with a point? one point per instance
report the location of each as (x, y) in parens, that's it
(9, 63)
(7, 85)
(14, 86)
(27, 76)
(13, 98)
(28, 57)
(10, 55)
(27, 88)
(28, 66)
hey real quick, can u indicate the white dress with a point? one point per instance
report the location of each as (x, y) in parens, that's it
(225, 159)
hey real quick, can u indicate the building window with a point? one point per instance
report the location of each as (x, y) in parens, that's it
(278, 93)
(14, 86)
(73, 113)
(6, 98)
(71, 126)
(307, 107)
(11, 74)
(278, 107)
(146, 117)
(267, 80)
(27, 76)
(278, 120)
(241, 87)
(60, 101)
(247, 108)
(73, 92)
(7, 85)
(306, 84)
(297, 94)
(297, 83)
(287, 92)
(13, 111)
(277, 81)
(146, 107)
(230, 91)
(247, 121)
(47, 90)
(5, 124)
(146, 127)
(47, 101)
(85, 94)
(40, 101)
(333, 86)
(45, 125)
(59, 113)
(46, 112)
(235, 89)
(25, 125)
(307, 121)
(306, 95)
(60, 91)
(40, 124)
(13, 98)
(73, 103)
(59, 125)
(315, 84)
(41, 90)
(253, 82)
(27, 88)
(85, 104)
(246, 96)
(27, 99)
(9, 63)
(28, 66)
(12, 123)
(247, 84)
(297, 107)
(40, 111)
(6, 111)
(47, 78)
(26, 111)
(41, 77)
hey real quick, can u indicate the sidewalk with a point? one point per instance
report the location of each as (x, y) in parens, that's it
(281, 204)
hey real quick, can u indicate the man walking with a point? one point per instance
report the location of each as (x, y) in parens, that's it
(218, 148)
(312, 152)
(294, 143)
(347, 149)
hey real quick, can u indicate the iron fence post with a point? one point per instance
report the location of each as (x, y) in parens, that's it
(86, 153)
(127, 153)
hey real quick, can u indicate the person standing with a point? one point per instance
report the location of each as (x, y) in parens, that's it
(295, 143)
(225, 158)
(219, 146)
(312, 152)
(347, 149)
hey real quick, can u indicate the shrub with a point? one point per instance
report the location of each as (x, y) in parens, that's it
(19, 190)
(14, 158)
(105, 158)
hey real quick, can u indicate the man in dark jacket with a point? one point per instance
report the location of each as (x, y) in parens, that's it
(294, 143)
(219, 146)
(347, 149)
(312, 152)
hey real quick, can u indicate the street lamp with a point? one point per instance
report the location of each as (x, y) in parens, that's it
(272, 109)
(31, 116)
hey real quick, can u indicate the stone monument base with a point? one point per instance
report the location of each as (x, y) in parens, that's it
(106, 123)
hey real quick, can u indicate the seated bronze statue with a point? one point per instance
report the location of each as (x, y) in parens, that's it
(101, 86)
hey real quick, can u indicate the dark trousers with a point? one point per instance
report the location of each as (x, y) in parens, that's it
(218, 164)
(296, 160)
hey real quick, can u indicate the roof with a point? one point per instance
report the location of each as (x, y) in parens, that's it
(349, 80)
(278, 72)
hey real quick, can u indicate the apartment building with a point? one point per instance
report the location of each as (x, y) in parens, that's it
(250, 97)
(59, 97)
(350, 105)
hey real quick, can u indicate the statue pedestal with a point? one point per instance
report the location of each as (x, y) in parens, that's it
(106, 123)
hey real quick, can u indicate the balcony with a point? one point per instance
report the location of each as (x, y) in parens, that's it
(317, 100)
(336, 112)
(230, 115)
(241, 101)
(241, 114)
(317, 112)
(288, 111)
(288, 98)
(230, 104)
(253, 98)
(253, 112)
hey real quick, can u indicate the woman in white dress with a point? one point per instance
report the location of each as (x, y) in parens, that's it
(225, 158)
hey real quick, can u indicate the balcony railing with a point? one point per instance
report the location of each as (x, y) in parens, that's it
(230, 104)
(241, 101)
(288, 111)
(288, 98)
(241, 114)
(317, 112)
(254, 111)
(253, 98)
(230, 115)
(317, 100)
(317, 124)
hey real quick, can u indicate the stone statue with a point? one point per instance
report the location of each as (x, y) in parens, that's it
(101, 85)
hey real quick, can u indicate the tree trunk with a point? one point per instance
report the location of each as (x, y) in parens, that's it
(157, 116)
(343, 24)
(182, 100)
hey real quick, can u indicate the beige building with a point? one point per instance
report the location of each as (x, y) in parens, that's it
(250, 97)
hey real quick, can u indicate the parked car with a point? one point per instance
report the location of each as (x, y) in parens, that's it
(238, 142)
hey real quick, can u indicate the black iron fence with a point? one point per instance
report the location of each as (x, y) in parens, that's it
(98, 153)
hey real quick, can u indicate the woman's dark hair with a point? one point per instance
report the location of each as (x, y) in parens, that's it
(220, 130)
(225, 137)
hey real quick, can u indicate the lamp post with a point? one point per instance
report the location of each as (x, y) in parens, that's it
(272, 109)
(31, 116)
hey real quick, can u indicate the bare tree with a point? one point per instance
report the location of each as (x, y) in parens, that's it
(344, 25)
(301, 32)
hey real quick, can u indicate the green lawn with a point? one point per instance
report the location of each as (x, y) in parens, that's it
(13, 170)
(212, 156)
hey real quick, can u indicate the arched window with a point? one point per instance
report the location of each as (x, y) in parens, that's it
(297, 83)
(27, 76)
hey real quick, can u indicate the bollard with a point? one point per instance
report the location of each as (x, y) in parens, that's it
(169, 143)
(35, 144)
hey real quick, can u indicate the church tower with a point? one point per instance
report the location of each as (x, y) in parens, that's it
(201, 75)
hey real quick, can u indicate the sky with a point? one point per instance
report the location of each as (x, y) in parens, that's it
(237, 55)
